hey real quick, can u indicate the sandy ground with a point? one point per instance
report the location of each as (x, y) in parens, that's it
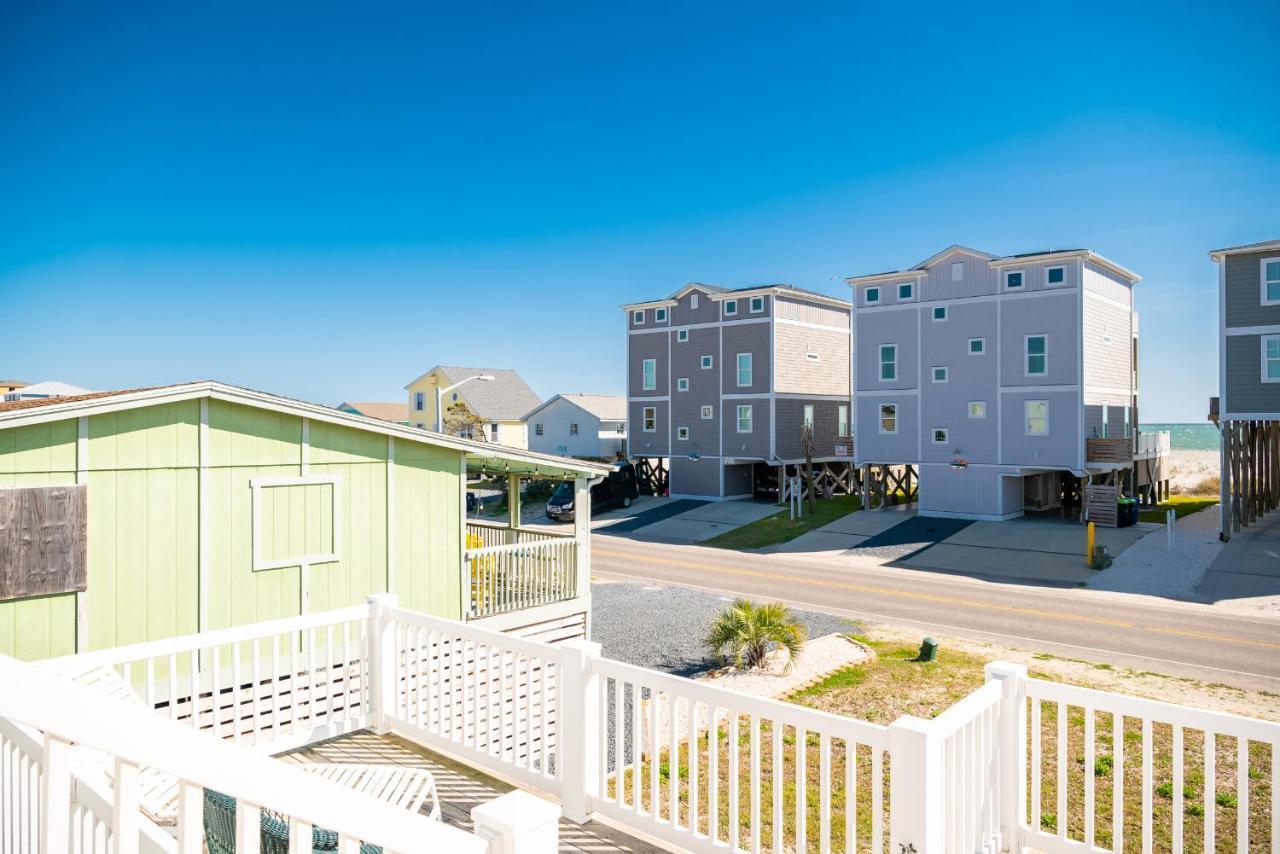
(1189, 469)
(820, 656)
(1149, 567)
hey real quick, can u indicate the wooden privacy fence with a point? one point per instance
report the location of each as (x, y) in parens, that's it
(1100, 504)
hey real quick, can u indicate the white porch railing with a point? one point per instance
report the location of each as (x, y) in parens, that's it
(1157, 443)
(521, 575)
(498, 534)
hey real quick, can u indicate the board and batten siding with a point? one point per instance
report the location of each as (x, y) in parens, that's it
(974, 491)
(803, 311)
(144, 511)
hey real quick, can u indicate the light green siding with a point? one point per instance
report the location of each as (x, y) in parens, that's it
(144, 522)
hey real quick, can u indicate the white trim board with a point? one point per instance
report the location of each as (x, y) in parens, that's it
(258, 484)
(844, 330)
(1270, 329)
(1055, 291)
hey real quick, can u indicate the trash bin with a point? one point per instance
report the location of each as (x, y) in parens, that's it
(1126, 512)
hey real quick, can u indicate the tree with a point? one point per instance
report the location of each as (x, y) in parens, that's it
(460, 421)
(806, 441)
(746, 632)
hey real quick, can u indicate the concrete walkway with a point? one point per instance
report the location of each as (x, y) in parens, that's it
(1246, 573)
(704, 521)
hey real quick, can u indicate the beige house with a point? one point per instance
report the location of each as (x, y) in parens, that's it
(498, 403)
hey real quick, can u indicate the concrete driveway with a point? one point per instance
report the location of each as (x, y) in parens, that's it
(845, 533)
(1248, 567)
(705, 521)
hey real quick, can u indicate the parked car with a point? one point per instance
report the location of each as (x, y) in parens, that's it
(619, 488)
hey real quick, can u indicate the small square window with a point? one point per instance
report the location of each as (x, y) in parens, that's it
(873, 295)
(537, 429)
(730, 307)
(660, 315)
(708, 362)
(940, 374)
(637, 318)
(977, 346)
(757, 305)
(957, 271)
(977, 409)
(682, 384)
(939, 312)
(682, 433)
(906, 291)
(573, 429)
(708, 412)
(941, 436)
(650, 418)
(682, 335)
(1013, 280)
(888, 419)
(1055, 275)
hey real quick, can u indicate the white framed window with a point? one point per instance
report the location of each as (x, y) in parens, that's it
(941, 436)
(939, 313)
(1036, 414)
(730, 307)
(637, 317)
(1271, 358)
(1037, 351)
(659, 315)
(1106, 340)
(906, 291)
(1055, 276)
(573, 429)
(957, 271)
(708, 362)
(682, 433)
(888, 362)
(682, 335)
(650, 419)
(808, 415)
(493, 431)
(744, 370)
(977, 409)
(419, 400)
(693, 300)
(757, 305)
(872, 296)
(708, 412)
(940, 374)
(682, 384)
(537, 429)
(888, 419)
(1106, 417)
(1270, 274)
(842, 420)
(977, 346)
(1013, 280)
(811, 355)
(649, 371)
(280, 498)
(744, 418)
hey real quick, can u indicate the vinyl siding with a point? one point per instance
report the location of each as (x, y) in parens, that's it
(639, 348)
(976, 491)
(872, 447)
(556, 418)
(1107, 365)
(648, 444)
(1054, 316)
(1244, 294)
(1246, 392)
(789, 416)
(739, 480)
(744, 308)
(683, 314)
(790, 308)
(753, 338)
(898, 327)
(753, 444)
(689, 477)
(794, 372)
(970, 377)
(1059, 449)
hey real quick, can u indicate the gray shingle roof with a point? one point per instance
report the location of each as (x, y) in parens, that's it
(507, 398)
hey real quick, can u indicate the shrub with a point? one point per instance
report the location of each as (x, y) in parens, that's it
(747, 632)
(1208, 486)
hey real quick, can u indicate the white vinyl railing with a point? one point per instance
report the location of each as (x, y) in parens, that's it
(970, 733)
(498, 534)
(1153, 443)
(522, 575)
(68, 721)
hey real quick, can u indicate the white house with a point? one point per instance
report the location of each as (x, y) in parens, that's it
(579, 425)
(42, 390)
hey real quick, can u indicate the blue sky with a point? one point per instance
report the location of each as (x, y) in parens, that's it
(327, 200)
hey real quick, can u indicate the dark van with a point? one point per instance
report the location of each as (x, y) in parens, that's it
(619, 488)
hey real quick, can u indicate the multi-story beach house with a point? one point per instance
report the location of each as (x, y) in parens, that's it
(720, 383)
(1248, 410)
(1007, 382)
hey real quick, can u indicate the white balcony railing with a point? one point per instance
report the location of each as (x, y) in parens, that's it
(1156, 443)
(533, 570)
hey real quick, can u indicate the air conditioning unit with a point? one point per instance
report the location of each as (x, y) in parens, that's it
(1042, 491)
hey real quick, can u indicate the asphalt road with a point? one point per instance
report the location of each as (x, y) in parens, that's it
(1181, 639)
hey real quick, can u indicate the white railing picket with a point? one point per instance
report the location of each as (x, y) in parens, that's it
(534, 570)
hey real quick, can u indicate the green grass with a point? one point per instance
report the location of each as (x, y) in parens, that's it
(779, 529)
(1182, 505)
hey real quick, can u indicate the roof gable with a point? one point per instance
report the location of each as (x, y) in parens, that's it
(506, 398)
(605, 407)
(954, 249)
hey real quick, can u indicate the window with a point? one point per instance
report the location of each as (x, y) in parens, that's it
(537, 429)
(811, 355)
(941, 374)
(808, 415)
(744, 419)
(493, 431)
(1037, 355)
(939, 312)
(977, 346)
(621, 429)
(682, 335)
(693, 300)
(420, 426)
(1271, 358)
(1013, 280)
(637, 317)
(1106, 340)
(1037, 417)
(730, 307)
(682, 433)
(419, 400)
(941, 436)
(888, 419)
(1127, 428)
(744, 370)
(842, 420)
(906, 290)
(682, 384)
(977, 409)
(957, 271)
(650, 419)
(573, 429)
(708, 412)
(650, 370)
(1106, 416)
(708, 362)
(660, 315)
(757, 305)
(873, 295)
(888, 362)
(1055, 275)
(1270, 280)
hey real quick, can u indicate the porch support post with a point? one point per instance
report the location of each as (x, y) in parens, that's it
(915, 786)
(513, 503)
(382, 661)
(582, 535)
(581, 711)
(1011, 731)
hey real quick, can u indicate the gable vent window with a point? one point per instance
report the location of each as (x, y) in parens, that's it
(693, 300)
(811, 355)
(957, 271)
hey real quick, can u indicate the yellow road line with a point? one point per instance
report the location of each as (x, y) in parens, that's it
(1208, 636)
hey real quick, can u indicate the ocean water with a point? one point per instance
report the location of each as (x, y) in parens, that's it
(1192, 437)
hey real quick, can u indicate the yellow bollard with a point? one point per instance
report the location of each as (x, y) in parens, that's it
(1088, 554)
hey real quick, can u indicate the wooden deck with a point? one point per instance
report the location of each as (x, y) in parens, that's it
(460, 787)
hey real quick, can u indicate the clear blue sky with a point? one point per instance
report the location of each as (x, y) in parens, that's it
(325, 202)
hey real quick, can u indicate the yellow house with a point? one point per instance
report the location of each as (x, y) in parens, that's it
(496, 398)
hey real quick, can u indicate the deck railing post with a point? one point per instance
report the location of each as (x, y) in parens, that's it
(582, 543)
(382, 661)
(1011, 751)
(916, 786)
(579, 729)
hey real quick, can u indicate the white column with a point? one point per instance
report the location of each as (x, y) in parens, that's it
(582, 535)
(915, 786)
(1012, 749)
(518, 823)
(580, 726)
(382, 661)
(513, 503)
(55, 795)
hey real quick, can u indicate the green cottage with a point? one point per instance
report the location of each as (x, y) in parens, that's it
(204, 506)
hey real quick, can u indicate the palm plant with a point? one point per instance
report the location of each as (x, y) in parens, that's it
(746, 632)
